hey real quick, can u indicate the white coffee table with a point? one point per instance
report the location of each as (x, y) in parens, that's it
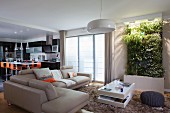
(114, 96)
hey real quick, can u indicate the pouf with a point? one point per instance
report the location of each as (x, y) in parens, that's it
(152, 98)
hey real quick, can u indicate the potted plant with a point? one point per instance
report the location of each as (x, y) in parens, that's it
(144, 56)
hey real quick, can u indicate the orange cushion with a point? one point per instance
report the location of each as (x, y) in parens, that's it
(50, 80)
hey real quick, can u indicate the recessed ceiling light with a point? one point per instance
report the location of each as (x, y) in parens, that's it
(15, 32)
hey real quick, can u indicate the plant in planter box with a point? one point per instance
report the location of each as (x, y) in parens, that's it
(144, 46)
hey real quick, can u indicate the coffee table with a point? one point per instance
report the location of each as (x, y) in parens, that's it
(111, 94)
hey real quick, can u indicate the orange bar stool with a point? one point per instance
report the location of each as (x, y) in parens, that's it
(15, 68)
(5, 66)
(38, 65)
(32, 65)
(24, 66)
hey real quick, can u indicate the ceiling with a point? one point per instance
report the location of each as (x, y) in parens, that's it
(40, 16)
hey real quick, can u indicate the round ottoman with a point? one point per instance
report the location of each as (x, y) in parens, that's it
(152, 98)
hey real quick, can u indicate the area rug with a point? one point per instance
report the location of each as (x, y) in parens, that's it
(134, 106)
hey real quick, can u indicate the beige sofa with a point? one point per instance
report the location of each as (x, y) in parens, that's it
(71, 83)
(37, 96)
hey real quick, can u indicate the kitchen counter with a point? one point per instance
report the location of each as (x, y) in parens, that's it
(49, 61)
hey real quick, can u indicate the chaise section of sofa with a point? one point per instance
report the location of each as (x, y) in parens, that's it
(37, 96)
(69, 101)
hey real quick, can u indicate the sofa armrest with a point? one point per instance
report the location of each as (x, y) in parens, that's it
(85, 74)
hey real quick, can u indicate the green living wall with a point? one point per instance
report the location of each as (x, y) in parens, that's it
(144, 46)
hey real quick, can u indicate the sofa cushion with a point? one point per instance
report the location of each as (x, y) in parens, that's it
(57, 74)
(31, 76)
(47, 87)
(80, 79)
(59, 84)
(20, 80)
(42, 74)
(69, 83)
(68, 100)
(65, 72)
(27, 71)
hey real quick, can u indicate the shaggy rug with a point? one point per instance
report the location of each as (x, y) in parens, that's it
(134, 106)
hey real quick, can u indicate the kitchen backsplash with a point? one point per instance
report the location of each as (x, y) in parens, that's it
(44, 56)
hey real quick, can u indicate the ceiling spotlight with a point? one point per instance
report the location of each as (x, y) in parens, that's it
(15, 32)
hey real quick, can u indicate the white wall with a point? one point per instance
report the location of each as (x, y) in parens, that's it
(166, 53)
(119, 53)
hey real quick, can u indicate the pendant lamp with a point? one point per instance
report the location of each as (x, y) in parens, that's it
(27, 46)
(100, 25)
(16, 48)
(21, 47)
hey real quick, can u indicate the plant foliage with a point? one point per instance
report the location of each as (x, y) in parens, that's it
(144, 46)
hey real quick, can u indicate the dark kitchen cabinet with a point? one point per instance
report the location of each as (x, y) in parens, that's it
(57, 42)
(37, 44)
(8, 46)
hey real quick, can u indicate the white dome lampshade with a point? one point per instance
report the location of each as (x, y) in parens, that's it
(100, 26)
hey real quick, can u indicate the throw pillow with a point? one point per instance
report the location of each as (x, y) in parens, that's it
(42, 74)
(57, 74)
(51, 80)
(71, 74)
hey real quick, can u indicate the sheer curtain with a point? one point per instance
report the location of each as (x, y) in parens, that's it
(99, 57)
(72, 52)
(86, 54)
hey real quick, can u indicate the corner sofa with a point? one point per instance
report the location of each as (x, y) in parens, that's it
(37, 96)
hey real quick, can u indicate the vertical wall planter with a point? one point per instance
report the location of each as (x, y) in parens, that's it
(144, 54)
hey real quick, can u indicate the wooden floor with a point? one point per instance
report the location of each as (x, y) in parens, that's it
(4, 108)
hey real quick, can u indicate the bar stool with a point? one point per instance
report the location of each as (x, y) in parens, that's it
(38, 65)
(15, 68)
(32, 65)
(5, 66)
(24, 66)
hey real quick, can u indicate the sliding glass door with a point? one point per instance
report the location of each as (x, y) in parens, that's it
(86, 60)
(72, 52)
(99, 57)
(86, 54)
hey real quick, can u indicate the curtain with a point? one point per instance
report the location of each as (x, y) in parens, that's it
(62, 47)
(108, 58)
